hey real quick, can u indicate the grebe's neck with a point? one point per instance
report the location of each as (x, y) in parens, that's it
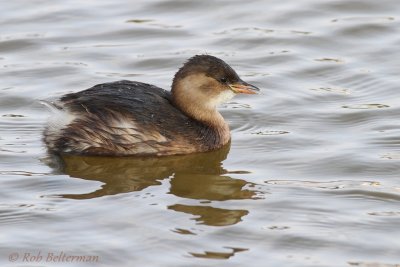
(198, 96)
(216, 129)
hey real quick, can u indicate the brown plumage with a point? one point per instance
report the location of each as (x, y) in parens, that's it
(132, 118)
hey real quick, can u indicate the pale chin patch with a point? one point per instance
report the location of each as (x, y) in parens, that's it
(223, 97)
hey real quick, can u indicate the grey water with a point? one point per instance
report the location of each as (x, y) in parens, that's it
(312, 176)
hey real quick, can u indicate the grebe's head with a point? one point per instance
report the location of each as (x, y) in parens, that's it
(204, 82)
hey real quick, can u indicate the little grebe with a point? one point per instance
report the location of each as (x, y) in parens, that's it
(133, 118)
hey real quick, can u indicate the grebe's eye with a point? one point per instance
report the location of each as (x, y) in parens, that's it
(223, 80)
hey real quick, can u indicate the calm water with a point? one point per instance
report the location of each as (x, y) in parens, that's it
(312, 177)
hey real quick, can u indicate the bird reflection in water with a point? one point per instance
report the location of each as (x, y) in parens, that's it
(194, 176)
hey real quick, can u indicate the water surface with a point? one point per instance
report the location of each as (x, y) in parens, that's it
(311, 177)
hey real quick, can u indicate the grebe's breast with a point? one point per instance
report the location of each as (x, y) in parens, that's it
(126, 118)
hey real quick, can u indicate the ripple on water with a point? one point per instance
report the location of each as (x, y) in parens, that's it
(218, 255)
(237, 105)
(342, 184)
(269, 132)
(211, 216)
(393, 156)
(385, 213)
(335, 60)
(371, 264)
(139, 20)
(355, 29)
(18, 46)
(335, 90)
(151, 22)
(183, 231)
(365, 19)
(256, 31)
(366, 106)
